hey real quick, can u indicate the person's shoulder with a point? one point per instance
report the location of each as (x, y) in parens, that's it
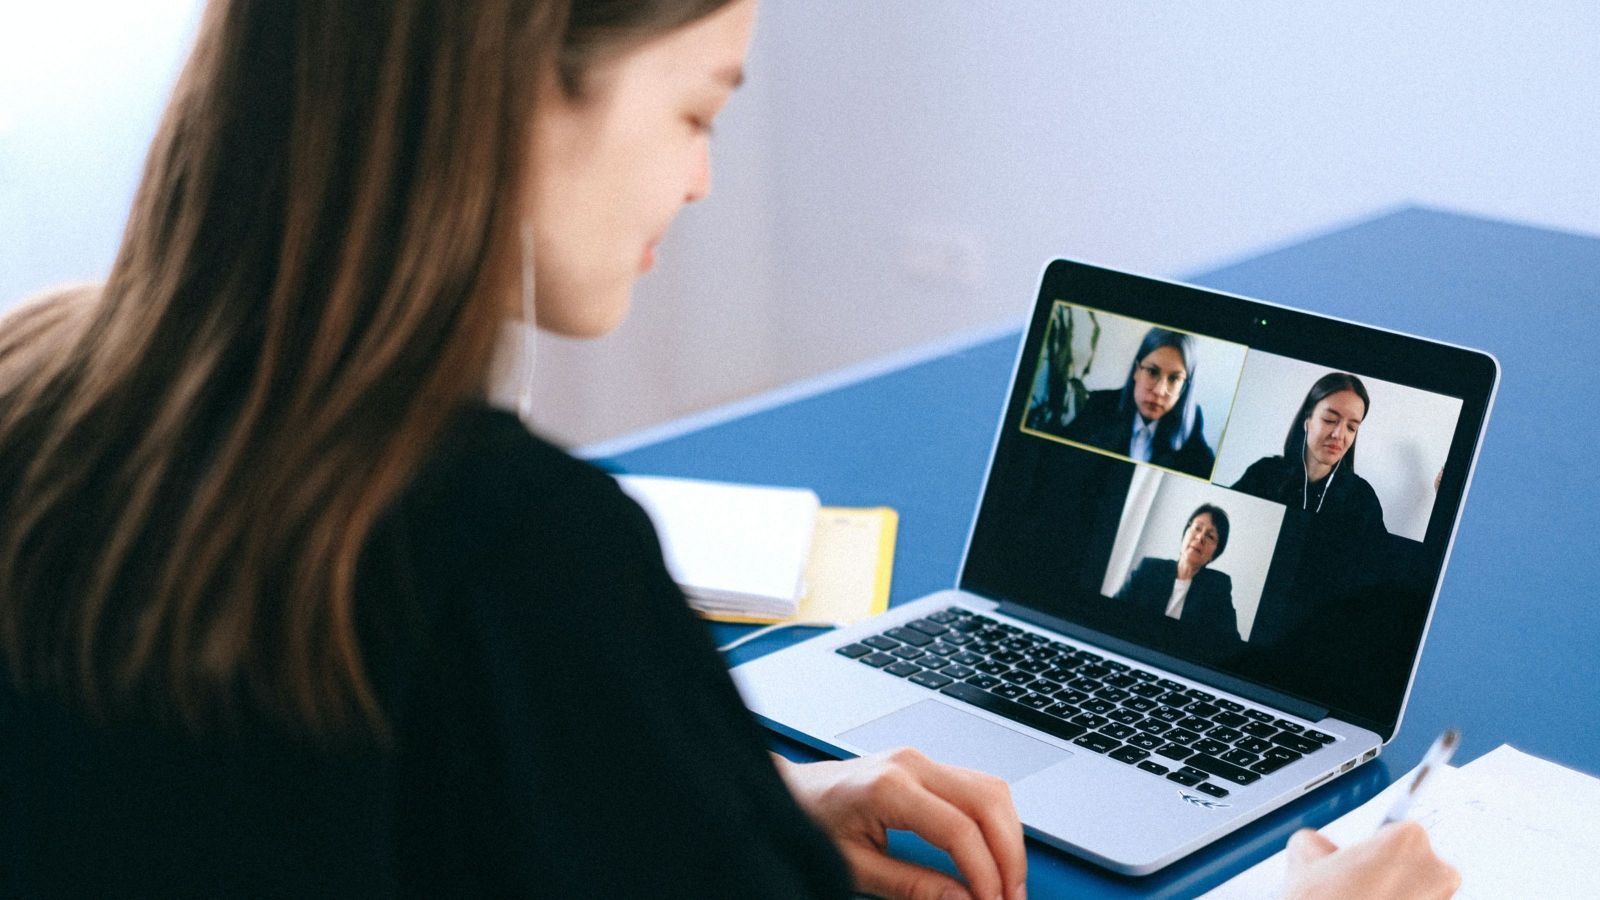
(1155, 567)
(491, 475)
(1218, 581)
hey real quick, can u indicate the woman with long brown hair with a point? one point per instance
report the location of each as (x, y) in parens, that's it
(287, 607)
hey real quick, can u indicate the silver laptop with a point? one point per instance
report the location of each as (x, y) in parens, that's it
(1198, 579)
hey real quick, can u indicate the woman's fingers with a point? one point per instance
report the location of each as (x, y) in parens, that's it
(987, 800)
(915, 808)
(885, 876)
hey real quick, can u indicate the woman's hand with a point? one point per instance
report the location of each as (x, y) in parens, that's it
(1397, 862)
(967, 814)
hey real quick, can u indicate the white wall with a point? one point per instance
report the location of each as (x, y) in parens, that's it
(898, 171)
(1400, 447)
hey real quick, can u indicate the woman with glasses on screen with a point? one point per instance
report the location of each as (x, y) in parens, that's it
(288, 608)
(1153, 417)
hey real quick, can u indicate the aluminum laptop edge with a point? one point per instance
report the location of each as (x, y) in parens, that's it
(1139, 715)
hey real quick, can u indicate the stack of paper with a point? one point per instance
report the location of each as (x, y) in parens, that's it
(1513, 824)
(734, 549)
(762, 554)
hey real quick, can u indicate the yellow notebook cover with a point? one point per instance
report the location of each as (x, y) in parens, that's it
(847, 575)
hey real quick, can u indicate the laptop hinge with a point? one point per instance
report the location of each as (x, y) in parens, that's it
(1265, 696)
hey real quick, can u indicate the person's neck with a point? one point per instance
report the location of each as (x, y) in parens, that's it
(1316, 471)
(1186, 571)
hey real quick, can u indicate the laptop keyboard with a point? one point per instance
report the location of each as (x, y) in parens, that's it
(1155, 724)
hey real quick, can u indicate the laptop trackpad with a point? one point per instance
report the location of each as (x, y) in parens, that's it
(948, 735)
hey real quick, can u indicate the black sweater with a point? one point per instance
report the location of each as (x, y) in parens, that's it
(564, 728)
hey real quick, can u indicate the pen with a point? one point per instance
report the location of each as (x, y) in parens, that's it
(1438, 755)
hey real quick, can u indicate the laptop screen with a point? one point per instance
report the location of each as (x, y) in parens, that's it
(1263, 492)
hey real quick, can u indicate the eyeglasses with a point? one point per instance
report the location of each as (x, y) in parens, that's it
(1154, 375)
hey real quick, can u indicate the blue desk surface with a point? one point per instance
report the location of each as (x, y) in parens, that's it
(1514, 651)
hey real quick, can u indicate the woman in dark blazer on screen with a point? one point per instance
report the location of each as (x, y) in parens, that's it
(1153, 417)
(1186, 589)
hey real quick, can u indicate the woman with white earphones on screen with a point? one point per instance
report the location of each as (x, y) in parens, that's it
(1316, 475)
(292, 605)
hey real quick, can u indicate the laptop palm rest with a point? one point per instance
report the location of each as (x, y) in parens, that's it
(950, 736)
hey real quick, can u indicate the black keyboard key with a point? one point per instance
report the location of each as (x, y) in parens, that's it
(1059, 674)
(1252, 745)
(933, 629)
(1142, 704)
(1197, 694)
(1206, 787)
(967, 658)
(1089, 720)
(957, 671)
(1014, 711)
(1039, 701)
(1202, 709)
(1154, 726)
(1017, 677)
(1118, 730)
(1068, 695)
(945, 616)
(1171, 685)
(983, 682)
(903, 668)
(1088, 656)
(908, 652)
(1008, 628)
(1230, 719)
(879, 642)
(1259, 716)
(1145, 741)
(1184, 778)
(1226, 771)
(1194, 723)
(1125, 716)
(1035, 666)
(1129, 755)
(1153, 768)
(944, 649)
(1175, 752)
(1289, 726)
(1191, 770)
(1284, 753)
(969, 625)
(1062, 710)
(1238, 757)
(1167, 714)
(1148, 691)
(1097, 742)
(1087, 685)
(957, 638)
(1142, 675)
(1115, 666)
(1215, 748)
(909, 636)
(877, 660)
(1297, 743)
(930, 679)
(1269, 765)
(1230, 706)
(1122, 680)
(1258, 729)
(1009, 691)
(990, 667)
(854, 651)
(1319, 737)
(1224, 734)
(1009, 657)
(1115, 695)
(1094, 671)
(1182, 736)
(1097, 706)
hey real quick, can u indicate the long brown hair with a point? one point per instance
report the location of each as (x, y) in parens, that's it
(194, 454)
